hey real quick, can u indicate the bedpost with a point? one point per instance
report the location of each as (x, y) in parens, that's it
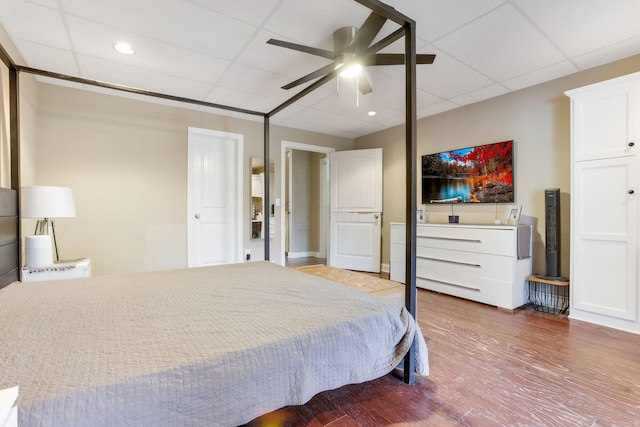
(267, 201)
(411, 187)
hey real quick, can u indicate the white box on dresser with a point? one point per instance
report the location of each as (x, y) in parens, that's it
(476, 262)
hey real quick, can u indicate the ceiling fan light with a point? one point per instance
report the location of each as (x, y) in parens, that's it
(351, 70)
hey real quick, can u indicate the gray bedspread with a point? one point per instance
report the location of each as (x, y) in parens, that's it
(195, 347)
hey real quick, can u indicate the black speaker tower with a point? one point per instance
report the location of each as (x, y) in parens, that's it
(552, 231)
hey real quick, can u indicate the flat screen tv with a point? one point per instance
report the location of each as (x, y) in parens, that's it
(480, 174)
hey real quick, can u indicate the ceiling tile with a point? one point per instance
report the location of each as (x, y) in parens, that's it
(250, 11)
(313, 22)
(480, 94)
(347, 105)
(25, 21)
(236, 98)
(277, 59)
(126, 75)
(252, 80)
(97, 40)
(437, 108)
(333, 120)
(504, 45)
(143, 98)
(614, 52)
(317, 126)
(42, 57)
(447, 77)
(435, 18)
(543, 75)
(598, 23)
(208, 32)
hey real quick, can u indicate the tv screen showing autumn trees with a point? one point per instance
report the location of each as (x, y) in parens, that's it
(480, 174)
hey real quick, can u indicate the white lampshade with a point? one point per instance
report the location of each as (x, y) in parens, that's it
(47, 202)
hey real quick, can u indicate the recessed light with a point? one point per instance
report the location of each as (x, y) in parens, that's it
(371, 113)
(124, 48)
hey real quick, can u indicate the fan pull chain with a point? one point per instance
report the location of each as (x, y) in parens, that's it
(357, 91)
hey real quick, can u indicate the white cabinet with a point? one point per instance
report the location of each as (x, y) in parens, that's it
(604, 203)
(484, 263)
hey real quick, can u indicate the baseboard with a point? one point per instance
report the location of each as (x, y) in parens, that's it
(384, 268)
(303, 254)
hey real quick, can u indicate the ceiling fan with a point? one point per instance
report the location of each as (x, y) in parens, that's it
(352, 51)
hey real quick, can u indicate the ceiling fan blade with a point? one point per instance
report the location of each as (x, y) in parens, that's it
(396, 59)
(425, 58)
(363, 84)
(314, 75)
(302, 48)
(365, 35)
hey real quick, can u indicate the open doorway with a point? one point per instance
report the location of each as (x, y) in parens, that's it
(305, 190)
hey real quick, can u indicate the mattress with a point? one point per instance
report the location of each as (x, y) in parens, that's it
(203, 346)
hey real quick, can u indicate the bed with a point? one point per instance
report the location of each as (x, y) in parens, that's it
(202, 346)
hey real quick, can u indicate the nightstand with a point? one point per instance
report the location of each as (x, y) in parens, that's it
(63, 270)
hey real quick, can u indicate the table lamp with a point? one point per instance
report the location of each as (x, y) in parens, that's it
(44, 203)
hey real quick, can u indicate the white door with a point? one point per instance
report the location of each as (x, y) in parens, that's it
(214, 197)
(604, 237)
(355, 209)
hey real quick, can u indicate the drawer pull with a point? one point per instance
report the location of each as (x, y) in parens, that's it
(455, 239)
(469, 264)
(449, 283)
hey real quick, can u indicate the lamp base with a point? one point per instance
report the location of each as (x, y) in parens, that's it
(42, 228)
(38, 251)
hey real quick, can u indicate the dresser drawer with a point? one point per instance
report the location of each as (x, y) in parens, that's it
(498, 241)
(487, 292)
(462, 267)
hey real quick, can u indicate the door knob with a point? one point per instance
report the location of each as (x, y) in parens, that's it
(197, 216)
(630, 191)
(631, 144)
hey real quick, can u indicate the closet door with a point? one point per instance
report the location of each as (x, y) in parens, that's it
(605, 121)
(604, 237)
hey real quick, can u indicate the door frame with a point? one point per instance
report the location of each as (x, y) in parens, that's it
(238, 195)
(284, 147)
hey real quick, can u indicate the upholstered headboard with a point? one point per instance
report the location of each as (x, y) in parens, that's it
(9, 261)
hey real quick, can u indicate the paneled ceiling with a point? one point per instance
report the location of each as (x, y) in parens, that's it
(216, 51)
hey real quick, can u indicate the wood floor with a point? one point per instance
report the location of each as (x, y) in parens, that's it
(491, 367)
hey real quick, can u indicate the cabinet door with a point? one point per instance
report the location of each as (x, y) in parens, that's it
(604, 237)
(604, 121)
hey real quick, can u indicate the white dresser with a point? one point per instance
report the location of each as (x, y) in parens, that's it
(8, 412)
(475, 262)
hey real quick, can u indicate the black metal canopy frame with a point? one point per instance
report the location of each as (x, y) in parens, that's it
(407, 30)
